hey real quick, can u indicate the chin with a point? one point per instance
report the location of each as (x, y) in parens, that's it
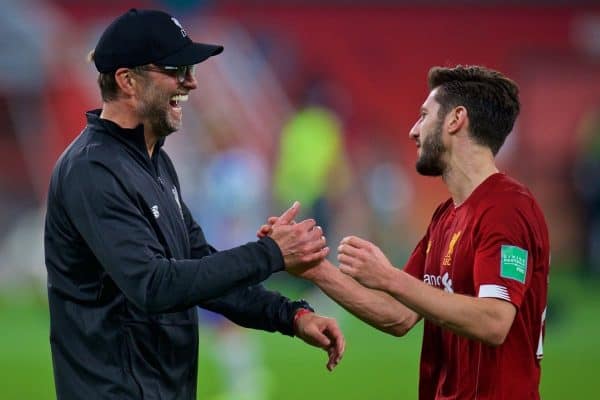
(429, 168)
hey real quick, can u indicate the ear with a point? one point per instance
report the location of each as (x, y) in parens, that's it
(126, 80)
(457, 119)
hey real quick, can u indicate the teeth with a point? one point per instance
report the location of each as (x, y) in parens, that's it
(179, 97)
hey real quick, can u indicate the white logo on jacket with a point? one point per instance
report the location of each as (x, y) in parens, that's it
(155, 212)
(176, 196)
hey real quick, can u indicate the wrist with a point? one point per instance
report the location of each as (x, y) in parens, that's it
(321, 273)
(299, 314)
(393, 281)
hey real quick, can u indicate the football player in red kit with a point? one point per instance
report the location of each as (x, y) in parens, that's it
(479, 276)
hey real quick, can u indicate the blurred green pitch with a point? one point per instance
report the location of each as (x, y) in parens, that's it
(375, 365)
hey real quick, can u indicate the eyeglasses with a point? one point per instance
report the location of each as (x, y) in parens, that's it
(180, 72)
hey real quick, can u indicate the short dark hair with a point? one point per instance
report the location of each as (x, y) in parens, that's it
(109, 89)
(491, 100)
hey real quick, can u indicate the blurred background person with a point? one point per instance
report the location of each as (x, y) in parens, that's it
(312, 165)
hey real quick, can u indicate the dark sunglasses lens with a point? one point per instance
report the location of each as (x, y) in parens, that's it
(185, 71)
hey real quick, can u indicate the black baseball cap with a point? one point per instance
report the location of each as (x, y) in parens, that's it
(141, 37)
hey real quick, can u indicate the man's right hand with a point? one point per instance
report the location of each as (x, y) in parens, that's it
(302, 244)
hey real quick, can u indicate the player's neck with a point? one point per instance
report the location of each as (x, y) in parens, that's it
(122, 113)
(467, 169)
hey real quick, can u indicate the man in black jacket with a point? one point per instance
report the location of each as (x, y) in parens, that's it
(127, 263)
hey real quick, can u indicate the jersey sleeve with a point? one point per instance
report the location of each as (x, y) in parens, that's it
(504, 251)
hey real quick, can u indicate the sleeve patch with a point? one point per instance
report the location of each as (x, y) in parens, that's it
(495, 291)
(513, 263)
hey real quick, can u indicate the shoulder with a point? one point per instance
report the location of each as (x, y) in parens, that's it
(88, 157)
(509, 205)
(507, 195)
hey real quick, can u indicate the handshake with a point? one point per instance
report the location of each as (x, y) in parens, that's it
(304, 249)
(362, 266)
(302, 244)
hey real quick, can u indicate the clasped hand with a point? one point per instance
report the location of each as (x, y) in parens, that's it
(303, 247)
(302, 244)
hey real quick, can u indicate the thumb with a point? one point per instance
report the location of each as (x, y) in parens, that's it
(288, 216)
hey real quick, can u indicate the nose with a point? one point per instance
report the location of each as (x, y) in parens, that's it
(414, 131)
(190, 81)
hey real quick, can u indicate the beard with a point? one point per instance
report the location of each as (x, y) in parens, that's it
(154, 109)
(430, 162)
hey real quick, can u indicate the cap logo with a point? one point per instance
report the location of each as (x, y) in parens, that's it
(183, 33)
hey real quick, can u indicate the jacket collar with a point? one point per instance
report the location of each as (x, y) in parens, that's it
(133, 136)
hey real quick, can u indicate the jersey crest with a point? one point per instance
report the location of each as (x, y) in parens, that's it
(448, 257)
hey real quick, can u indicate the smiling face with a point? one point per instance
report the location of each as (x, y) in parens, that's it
(427, 134)
(159, 101)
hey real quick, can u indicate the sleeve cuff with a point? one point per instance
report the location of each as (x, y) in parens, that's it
(275, 256)
(294, 307)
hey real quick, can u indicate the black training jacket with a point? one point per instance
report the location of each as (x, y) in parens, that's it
(127, 265)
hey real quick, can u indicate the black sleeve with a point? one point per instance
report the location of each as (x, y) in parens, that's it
(251, 306)
(258, 308)
(123, 241)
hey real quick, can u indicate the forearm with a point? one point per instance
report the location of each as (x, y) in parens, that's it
(169, 285)
(484, 319)
(257, 308)
(374, 307)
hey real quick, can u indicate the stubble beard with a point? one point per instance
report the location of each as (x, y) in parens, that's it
(154, 109)
(430, 162)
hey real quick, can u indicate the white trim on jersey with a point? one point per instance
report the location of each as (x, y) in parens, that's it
(540, 350)
(496, 291)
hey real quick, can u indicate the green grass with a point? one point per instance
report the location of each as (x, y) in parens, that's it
(375, 365)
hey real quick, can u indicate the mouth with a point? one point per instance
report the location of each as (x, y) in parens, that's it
(175, 101)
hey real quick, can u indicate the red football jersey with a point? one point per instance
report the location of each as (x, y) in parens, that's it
(495, 244)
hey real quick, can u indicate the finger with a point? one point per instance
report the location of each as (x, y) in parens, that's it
(355, 241)
(338, 340)
(289, 215)
(347, 260)
(266, 228)
(314, 243)
(306, 225)
(311, 249)
(263, 231)
(349, 250)
(348, 270)
(318, 229)
(316, 233)
(316, 256)
(331, 363)
(320, 340)
(272, 220)
(335, 353)
(334, 357)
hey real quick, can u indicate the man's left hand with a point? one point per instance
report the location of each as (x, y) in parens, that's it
(322, 332)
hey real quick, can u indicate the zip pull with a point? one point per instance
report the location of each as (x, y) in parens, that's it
(161, 182)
